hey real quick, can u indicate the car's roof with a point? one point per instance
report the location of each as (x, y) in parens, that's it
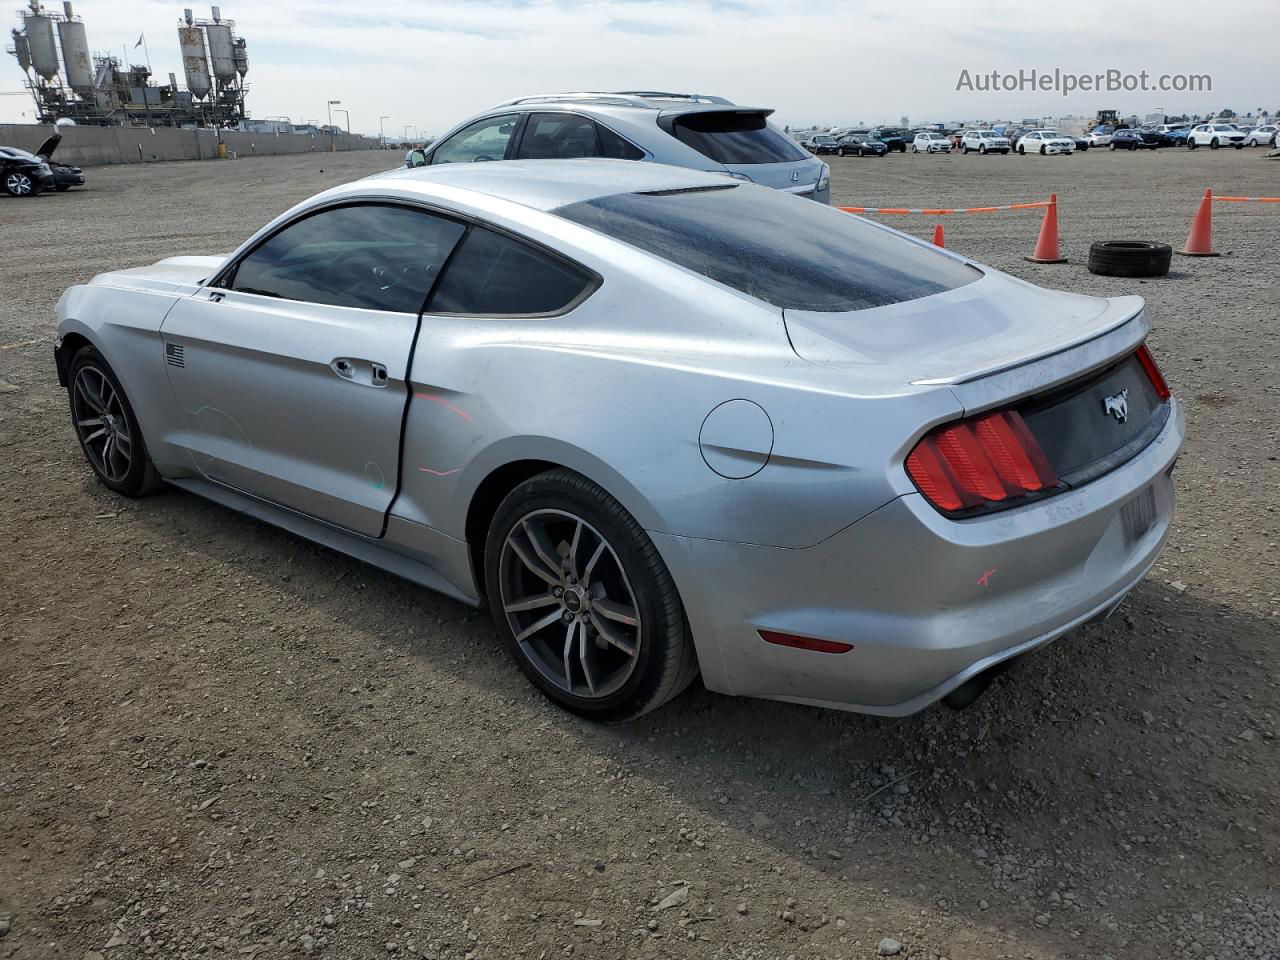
(548, 184)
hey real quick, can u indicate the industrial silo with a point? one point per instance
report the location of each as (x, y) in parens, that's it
(194, 61)
(77, 66)
(40, 39)
(22, 50)
(221, 52)
(242, 57)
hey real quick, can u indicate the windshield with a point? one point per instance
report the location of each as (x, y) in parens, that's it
(787, 251)
(728, 137)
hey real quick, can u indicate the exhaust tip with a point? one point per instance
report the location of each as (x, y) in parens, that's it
(964, 695)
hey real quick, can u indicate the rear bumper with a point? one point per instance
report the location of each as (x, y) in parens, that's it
(926, 601)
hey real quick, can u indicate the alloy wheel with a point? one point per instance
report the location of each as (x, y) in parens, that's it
(102, 424)
(18, 184)
(569, 603)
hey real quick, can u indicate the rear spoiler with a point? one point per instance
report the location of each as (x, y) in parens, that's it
(667, 118)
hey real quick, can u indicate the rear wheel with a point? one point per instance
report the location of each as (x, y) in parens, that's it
(584, 602)
(106, 427)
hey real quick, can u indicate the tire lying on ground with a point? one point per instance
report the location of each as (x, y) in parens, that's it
(1129, 258)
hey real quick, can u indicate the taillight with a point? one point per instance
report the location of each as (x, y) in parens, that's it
(1153, 372)
(978, 462)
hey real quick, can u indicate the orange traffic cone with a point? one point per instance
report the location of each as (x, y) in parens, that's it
(1047, 250)
(1200, 239)
(937, 236)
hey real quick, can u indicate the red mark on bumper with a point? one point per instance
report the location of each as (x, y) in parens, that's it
(985, 579)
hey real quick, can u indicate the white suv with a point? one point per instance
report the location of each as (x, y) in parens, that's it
(1215, 135)
(984, 141)
(930, 143)
(684, 130)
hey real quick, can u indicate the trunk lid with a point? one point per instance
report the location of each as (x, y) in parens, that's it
(994, 324)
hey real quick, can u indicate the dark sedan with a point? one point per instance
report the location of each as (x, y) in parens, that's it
(27, 174)
(822, 143)
(1131, 139)
(861, 145)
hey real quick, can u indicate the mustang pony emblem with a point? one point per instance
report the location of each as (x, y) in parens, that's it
(1117, 406)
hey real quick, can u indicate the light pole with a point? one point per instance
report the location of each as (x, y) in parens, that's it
(407, 127)
(348, 116)
(382, 137)
(333, 142)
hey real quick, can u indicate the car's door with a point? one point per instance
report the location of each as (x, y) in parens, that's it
(292, 366)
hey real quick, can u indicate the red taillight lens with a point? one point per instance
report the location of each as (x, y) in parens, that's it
(1153, 372)
(985, 460)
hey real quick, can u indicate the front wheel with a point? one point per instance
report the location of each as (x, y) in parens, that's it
(106, 427)
(914, 148)
(583, 601)
(1022, 151)
(19, 184)
(1213, 144)
(1043, 150)
(1112, 145)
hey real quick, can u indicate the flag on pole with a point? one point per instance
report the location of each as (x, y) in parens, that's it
(139, 43)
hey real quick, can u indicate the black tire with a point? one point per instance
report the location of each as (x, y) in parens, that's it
(1130, 258)
(982, 149)
(1022, 151)
(1191, 144)
(1044, 151)
(1213, 144)
(664, 663)
(140, 478)
(1112, 145)
(840, 152)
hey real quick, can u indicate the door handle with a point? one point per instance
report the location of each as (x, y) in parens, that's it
(366, 373)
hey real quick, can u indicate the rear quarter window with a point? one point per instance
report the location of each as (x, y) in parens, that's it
(786, 251)
(493, 275)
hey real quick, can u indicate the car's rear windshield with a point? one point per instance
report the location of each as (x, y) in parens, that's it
(732, 137)
(788, 251)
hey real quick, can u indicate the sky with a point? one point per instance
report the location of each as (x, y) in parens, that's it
(427, 66)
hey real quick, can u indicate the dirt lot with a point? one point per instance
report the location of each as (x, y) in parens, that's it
(218, 740)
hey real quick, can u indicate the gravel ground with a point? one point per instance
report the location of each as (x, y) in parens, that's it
(218, 740)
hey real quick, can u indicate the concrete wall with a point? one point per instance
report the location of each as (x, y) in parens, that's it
(86, 146)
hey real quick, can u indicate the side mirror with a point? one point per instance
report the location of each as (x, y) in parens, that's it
(415, 158)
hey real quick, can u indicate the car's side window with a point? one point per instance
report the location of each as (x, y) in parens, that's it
(371, 256)
(558, 136)
(486, 139)
(493, 275)
(615, 147)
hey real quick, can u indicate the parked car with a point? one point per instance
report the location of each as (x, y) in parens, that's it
(1046, 142)
(1100, 136)
(65, 175)
(1215, 135)
(823, 143)
(1131, 139)
(892, 137)
(1082, 143)
(1176, 133)
(861, 145)
(684, 130)
(25, 174)
(984, 141)
(1261, 136)
(931, 143)
(708, 509)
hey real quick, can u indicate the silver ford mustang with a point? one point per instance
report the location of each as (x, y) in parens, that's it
(659, 420)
